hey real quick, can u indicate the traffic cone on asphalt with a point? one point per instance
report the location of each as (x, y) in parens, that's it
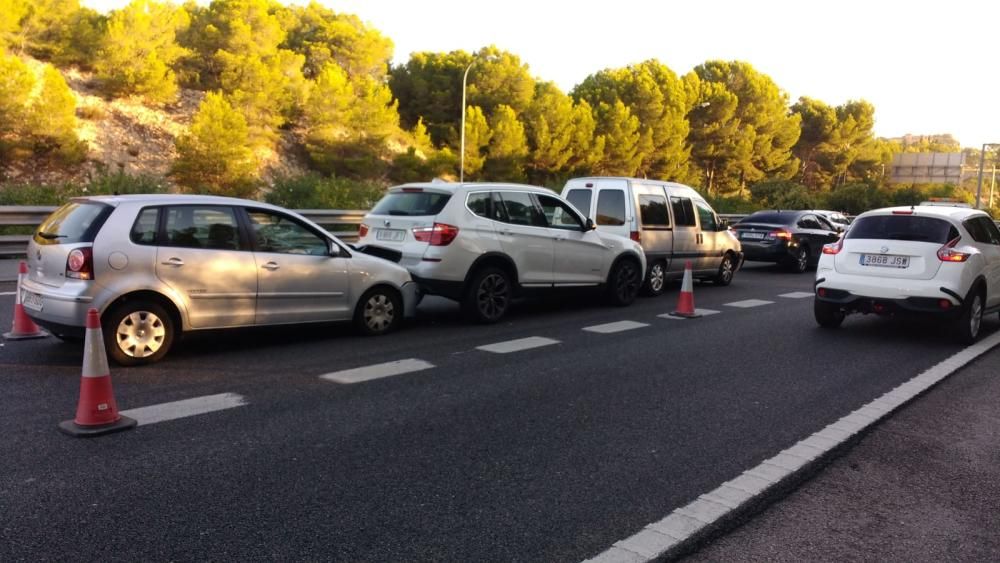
(685, 301)
(96, 413)
(23, 328)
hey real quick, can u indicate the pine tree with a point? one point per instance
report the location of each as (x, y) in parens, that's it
(623, 137)
(477, 138)
(11, 14)
(16, 83)
(52, 119)
(215, 156)
(508, 147)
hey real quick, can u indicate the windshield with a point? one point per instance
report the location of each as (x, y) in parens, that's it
(903, 227)
(416, 203)
(73, 222)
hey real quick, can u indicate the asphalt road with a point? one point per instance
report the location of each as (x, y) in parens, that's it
(547, 454)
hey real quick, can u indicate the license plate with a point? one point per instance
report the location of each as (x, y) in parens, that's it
(752, 236)
(395, 235)
(31, 300)
(885, 260)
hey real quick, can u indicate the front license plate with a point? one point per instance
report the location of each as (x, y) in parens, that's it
(752, 236)
(885, 260)
(395, 235)
(31, 300)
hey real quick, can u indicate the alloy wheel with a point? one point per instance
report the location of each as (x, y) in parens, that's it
(492, 296)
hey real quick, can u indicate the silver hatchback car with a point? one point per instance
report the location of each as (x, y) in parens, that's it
(159, 265)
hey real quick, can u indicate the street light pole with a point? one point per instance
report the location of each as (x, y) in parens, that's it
(461, 169)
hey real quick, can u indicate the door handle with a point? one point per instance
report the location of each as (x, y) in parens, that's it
(271, 266)
(507, 233)
(173, 262)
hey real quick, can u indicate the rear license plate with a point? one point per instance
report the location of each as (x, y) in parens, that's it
(31, 300)
(395, 235)
(751, 236)
(885, 260)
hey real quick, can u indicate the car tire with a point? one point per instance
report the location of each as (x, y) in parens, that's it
(828, 315)
(488, 295)
(379, 311)
(968, 324)
(624, 282)
(800, 260)
(727, 268)
(138, 332)
(656, 279)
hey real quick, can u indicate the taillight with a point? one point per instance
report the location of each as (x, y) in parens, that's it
(438, 235)
(636, 236)
(834, 247)
(947, 253)
(80, 264)
(362, 230)
(780, 234)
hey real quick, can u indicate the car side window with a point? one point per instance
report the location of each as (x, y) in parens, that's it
(193, 226)
(481, 203)
(977, 230)
(809, 222)
(991, 230)
(707, 217)
(653, 211)
(683, 211)
(611, 207)
(825, 224)
(281, 234)
(144, 229)
(521, 209)
(558, 215)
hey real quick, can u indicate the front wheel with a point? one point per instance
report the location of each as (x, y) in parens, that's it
(488, 296)
(828, 315)
(968, 323)
(726, 270)
(624, 282)
(138, 333)
(379, 311)
(800, 260)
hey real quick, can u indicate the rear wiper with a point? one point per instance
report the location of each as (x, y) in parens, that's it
(50, 236)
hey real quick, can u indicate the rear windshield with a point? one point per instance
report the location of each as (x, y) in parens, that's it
(903, 227)
(771, 218)
(74, 222)
(411, 203)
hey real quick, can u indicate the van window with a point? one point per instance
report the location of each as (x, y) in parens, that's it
(707, 217)
(683, 211)
(580, 200)
(611, 208)
(521, 209)
(77, 221)
(653, 211)
(411, 203)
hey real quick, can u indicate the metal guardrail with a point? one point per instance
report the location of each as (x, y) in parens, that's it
(333, 220)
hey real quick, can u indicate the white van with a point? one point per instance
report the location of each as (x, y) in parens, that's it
(671, 221)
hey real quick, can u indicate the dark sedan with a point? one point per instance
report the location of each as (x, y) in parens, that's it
(792, 238)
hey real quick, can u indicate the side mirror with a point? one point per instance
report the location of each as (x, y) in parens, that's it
(336, 251)
(722, 225)
(590, 226)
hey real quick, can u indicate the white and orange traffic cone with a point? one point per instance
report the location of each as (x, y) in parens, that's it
(96, 413)
(685, 301)
(23, 327)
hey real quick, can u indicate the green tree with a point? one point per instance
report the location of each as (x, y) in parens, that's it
(719, 142)
(16, 84)
(11, 14)
(499, 78)
(508, 147)
(324, 36)
(52, 120)
(215, 156)
(549, 126)
(837, 145)
(623, 140)
(139, 48)
(60, 31)
(477, 138)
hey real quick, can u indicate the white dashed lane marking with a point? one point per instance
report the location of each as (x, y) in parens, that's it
(517, 345)
(8, 292)
(748, 303)
(796, 295)
(702, 312)
(377, 371)
(619, 326)
(188, 407)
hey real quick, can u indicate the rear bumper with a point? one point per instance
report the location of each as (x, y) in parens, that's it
(917, 296)
(63, 309)
(444, 288)
(776, 252)
(411, 297)
(883, 306)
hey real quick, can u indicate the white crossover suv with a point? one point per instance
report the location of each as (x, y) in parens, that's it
(927, 260)
(482, 244)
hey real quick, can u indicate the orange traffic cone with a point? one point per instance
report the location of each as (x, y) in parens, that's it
(685, 301)
(96, 413)
(23, 328)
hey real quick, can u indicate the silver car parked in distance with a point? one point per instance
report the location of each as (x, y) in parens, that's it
(156, 266)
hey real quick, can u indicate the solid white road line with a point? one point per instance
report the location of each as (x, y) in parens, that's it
(619, 326)
(657, 538)
(188, 407)
(796, 295)
(748, 303)
(517, 345)
(702, 312)
(377, 371)
(8, 293)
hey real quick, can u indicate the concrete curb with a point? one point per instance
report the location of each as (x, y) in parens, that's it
(718, 511)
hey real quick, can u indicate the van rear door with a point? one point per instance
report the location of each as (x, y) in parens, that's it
(610, 206)
(657, 236)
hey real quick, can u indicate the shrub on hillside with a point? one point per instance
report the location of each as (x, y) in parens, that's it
(313, 191)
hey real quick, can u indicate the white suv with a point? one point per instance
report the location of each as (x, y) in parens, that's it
(921, 259)
(481, 244)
